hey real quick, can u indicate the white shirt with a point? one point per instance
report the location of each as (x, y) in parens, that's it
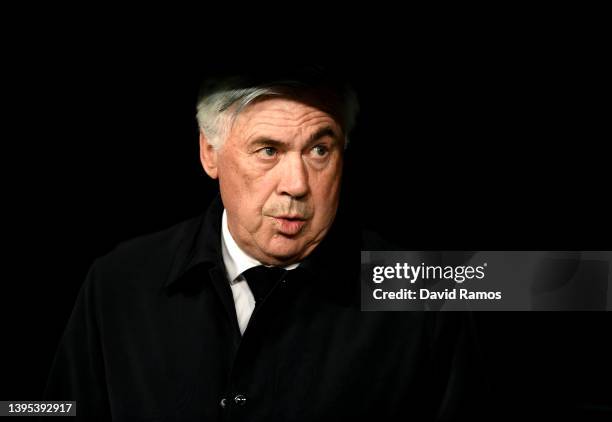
(237, 262)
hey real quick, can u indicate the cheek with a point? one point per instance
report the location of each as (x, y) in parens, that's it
(237, 195)
(254, 194)
(238, 182)
(326, 194)
(327, 183)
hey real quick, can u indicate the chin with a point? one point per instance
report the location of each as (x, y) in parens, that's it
(284, 249)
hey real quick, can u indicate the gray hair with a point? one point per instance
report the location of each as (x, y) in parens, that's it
(222, 100)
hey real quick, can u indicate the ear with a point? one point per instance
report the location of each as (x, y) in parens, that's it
(208, 157)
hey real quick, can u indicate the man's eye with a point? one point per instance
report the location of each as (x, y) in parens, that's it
(267, 152)
(320, 151)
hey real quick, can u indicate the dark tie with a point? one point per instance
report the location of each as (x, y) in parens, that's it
(261, 279)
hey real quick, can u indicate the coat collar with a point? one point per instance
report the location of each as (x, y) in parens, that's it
(201, 245)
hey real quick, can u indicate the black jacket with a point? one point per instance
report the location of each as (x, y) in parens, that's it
(154, 337)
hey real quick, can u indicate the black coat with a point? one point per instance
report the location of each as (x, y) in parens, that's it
(154, 337)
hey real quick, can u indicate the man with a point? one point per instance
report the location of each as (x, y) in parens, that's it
(251, 312)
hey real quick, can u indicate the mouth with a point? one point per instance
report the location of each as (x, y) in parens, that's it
(289, 225)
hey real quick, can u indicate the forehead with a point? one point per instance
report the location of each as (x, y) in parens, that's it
(283, 116)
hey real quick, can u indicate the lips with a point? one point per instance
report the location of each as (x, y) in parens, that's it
(289, 225)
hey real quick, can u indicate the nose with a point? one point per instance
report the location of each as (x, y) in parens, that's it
(293, 178)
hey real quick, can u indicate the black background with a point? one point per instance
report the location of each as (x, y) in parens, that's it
(479, 149)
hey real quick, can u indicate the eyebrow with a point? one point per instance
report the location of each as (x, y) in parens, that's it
(321, 133)
(266, 142)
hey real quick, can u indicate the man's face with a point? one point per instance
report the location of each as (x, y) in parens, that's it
(279, 174)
